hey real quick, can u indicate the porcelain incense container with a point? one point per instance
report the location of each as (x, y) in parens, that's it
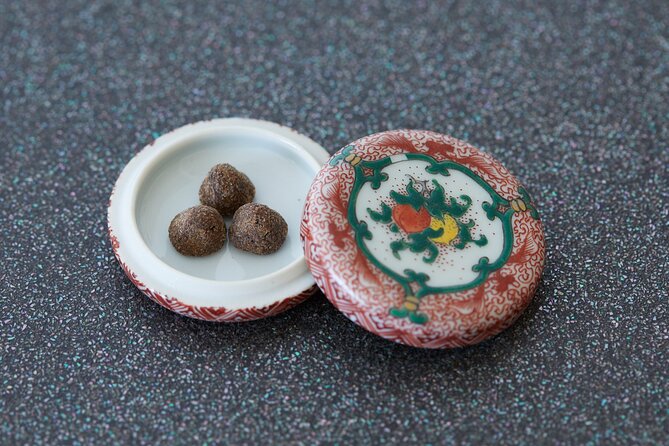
(422, 239)
(415, 236)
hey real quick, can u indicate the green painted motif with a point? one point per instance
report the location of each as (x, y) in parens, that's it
(427, 203)
(437, 207)
(385, 216)
(419, 242)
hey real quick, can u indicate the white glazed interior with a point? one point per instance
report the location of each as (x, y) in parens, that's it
(281, 177)
(164, 179)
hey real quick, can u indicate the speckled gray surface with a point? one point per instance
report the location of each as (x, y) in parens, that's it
(574, 99)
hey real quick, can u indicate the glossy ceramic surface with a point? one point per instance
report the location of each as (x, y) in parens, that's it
(164, 178)
(423, 239)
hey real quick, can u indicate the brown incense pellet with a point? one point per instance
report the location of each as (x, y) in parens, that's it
(197, 231)
(226, 189)
(258, 229)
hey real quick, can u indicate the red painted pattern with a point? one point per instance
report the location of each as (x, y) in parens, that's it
(362, 292)
(213, 314)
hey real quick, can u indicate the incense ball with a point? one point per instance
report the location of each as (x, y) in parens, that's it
(226, 189)
(258, 229)
(197, 231)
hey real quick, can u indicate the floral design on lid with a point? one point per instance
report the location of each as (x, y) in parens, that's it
(423, 239)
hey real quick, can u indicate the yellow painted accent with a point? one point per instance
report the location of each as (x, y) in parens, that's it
(450, 227)
(521, 205)
(514, 205)
(410, 306)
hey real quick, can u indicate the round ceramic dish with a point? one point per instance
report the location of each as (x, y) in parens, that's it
(164, 178)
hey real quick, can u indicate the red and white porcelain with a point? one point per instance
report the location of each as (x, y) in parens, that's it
(422, 239)
(415, 236)
(163, 179)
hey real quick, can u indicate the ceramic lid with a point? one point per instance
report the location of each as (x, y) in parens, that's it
(422, 239)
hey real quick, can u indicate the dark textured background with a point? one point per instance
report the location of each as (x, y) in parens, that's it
(573, 98)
